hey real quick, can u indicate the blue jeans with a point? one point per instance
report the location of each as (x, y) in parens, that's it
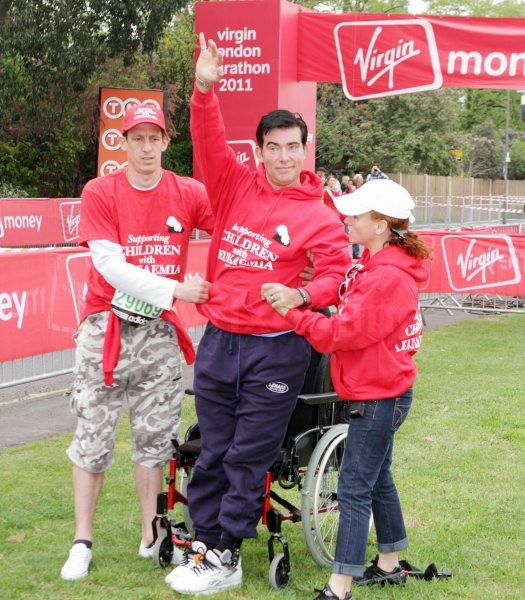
(366, 485)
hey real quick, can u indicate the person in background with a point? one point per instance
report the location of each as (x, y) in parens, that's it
(321, 173)
(372, 337)
(376, 173)
(346, 185)
(330, 191)
(357, 180)
(136, 223)
(250, 365)
(336, 184)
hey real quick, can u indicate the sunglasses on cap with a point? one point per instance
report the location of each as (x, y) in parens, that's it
(351, 274)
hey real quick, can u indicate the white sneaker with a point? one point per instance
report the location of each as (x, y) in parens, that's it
(77, 565)
(147, 552)
(214, 573)
(193, 554)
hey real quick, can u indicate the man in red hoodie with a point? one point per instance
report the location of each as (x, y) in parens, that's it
(136, 223)
(250, 365)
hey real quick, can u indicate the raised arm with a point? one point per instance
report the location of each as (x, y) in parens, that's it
(208, 69)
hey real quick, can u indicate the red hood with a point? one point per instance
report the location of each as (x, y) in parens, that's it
(392, 255)
(311, 187)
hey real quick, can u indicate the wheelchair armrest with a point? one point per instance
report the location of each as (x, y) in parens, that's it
(320, 398)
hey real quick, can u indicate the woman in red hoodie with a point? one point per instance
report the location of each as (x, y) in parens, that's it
(372, 337)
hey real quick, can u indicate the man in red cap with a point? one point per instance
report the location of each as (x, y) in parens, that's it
(136, 223)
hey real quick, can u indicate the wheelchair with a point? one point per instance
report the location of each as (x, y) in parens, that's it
(310, 460)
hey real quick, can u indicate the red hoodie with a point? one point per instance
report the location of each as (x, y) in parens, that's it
(377, 328)
(261, 235)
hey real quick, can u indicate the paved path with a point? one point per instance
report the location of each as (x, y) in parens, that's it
(37, 410)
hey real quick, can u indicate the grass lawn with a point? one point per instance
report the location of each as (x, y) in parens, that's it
(459, 463)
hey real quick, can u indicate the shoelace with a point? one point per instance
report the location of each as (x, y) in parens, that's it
(204, 565)
(191, 557)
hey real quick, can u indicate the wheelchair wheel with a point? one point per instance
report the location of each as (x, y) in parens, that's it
(319, 507)
(279, 574)
(185, 478)
(163, 549)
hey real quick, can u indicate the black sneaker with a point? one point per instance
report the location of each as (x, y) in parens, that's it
(327, 594)
(373, 574)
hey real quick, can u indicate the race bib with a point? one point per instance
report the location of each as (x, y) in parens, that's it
(132, 310)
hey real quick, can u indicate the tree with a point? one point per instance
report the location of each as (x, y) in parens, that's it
(357, 6)
(409, 133)
(476, 8)
(484, 111)
(485, 153)
(517, 159)
(50, 50)
(54, 55)
(176, 66)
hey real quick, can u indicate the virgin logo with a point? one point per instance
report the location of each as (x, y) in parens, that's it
(392, 57)
(374, 64)
(245, 152)
(77, 268)
(472, 265)
(478, 262)
(70, 213)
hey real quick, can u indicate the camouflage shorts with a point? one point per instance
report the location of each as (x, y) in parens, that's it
(148, 380)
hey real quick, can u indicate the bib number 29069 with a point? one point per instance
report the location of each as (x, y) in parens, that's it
(131, 309)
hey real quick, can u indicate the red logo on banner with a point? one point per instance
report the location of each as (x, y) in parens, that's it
(481, 261)
(77, 267)
(245, 151)
(70, 213)
(386, 58)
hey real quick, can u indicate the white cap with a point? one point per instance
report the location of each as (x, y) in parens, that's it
(381, 195)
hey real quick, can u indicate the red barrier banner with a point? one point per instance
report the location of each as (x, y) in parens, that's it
(41, 296)
(41, 290)
(37, 222)
(476, 263)
(38, 301)
(375, 55)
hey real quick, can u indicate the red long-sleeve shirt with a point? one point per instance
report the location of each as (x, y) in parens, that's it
(261, 235)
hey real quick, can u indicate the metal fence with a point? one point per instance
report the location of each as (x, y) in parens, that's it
(52, 364)
(473, 303)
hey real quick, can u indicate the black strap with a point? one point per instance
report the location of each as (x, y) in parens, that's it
(428, 574)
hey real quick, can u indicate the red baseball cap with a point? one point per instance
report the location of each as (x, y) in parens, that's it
(143, 113)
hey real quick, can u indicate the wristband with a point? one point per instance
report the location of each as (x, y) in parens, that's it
(203, 83)
(303, 295)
